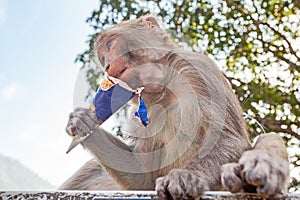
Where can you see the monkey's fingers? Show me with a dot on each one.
(79, 129)
(180, 184)
(75, 142)
(87, 115)
(267, 172)
(230, 177)
(160, 188)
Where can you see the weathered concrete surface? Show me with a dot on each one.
(98, 195)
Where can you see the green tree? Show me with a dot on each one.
(256, 44)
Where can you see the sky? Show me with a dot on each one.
(39, 41)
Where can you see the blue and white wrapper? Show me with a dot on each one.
(113, 94)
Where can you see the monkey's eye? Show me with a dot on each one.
(102, 61)
(108, 44)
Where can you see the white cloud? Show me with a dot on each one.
(11, 91)
(2, 11)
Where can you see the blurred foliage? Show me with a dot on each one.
(255, 43)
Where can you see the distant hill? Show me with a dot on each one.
(15, 176)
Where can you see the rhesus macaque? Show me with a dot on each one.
(196, 139)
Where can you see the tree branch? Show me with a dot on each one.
(292, 51)
(289, 62)
(259, 22)
(276, 126)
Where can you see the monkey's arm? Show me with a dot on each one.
(273, 144)
(113, 154)
(118, 160)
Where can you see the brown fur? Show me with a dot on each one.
(196, 121)
(90, 176)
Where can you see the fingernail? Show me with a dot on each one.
(229, 184)
(265, 188)
(259, 177)
(73, 129)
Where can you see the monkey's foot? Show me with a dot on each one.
(180, 184)
(259, 171)
(230, 177)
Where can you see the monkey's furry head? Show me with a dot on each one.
(145, 38)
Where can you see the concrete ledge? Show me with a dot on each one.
(99, 195)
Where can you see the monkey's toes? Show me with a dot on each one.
(268, 173)
(180, 184)
(230, 177)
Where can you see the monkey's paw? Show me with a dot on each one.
(230, 177)
(180, 184)
(82, 122)
(265, 173)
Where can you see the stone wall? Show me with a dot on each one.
(101, 195)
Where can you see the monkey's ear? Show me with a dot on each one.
(150, 21)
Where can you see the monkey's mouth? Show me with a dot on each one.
(122, 71)
(111, 71)
(126, 75)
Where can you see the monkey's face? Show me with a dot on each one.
(113, 57)
(119, 62)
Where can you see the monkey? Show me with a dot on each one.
(197, 138)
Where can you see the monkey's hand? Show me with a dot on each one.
(265, 173)
(180, 184)
(82, 122)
